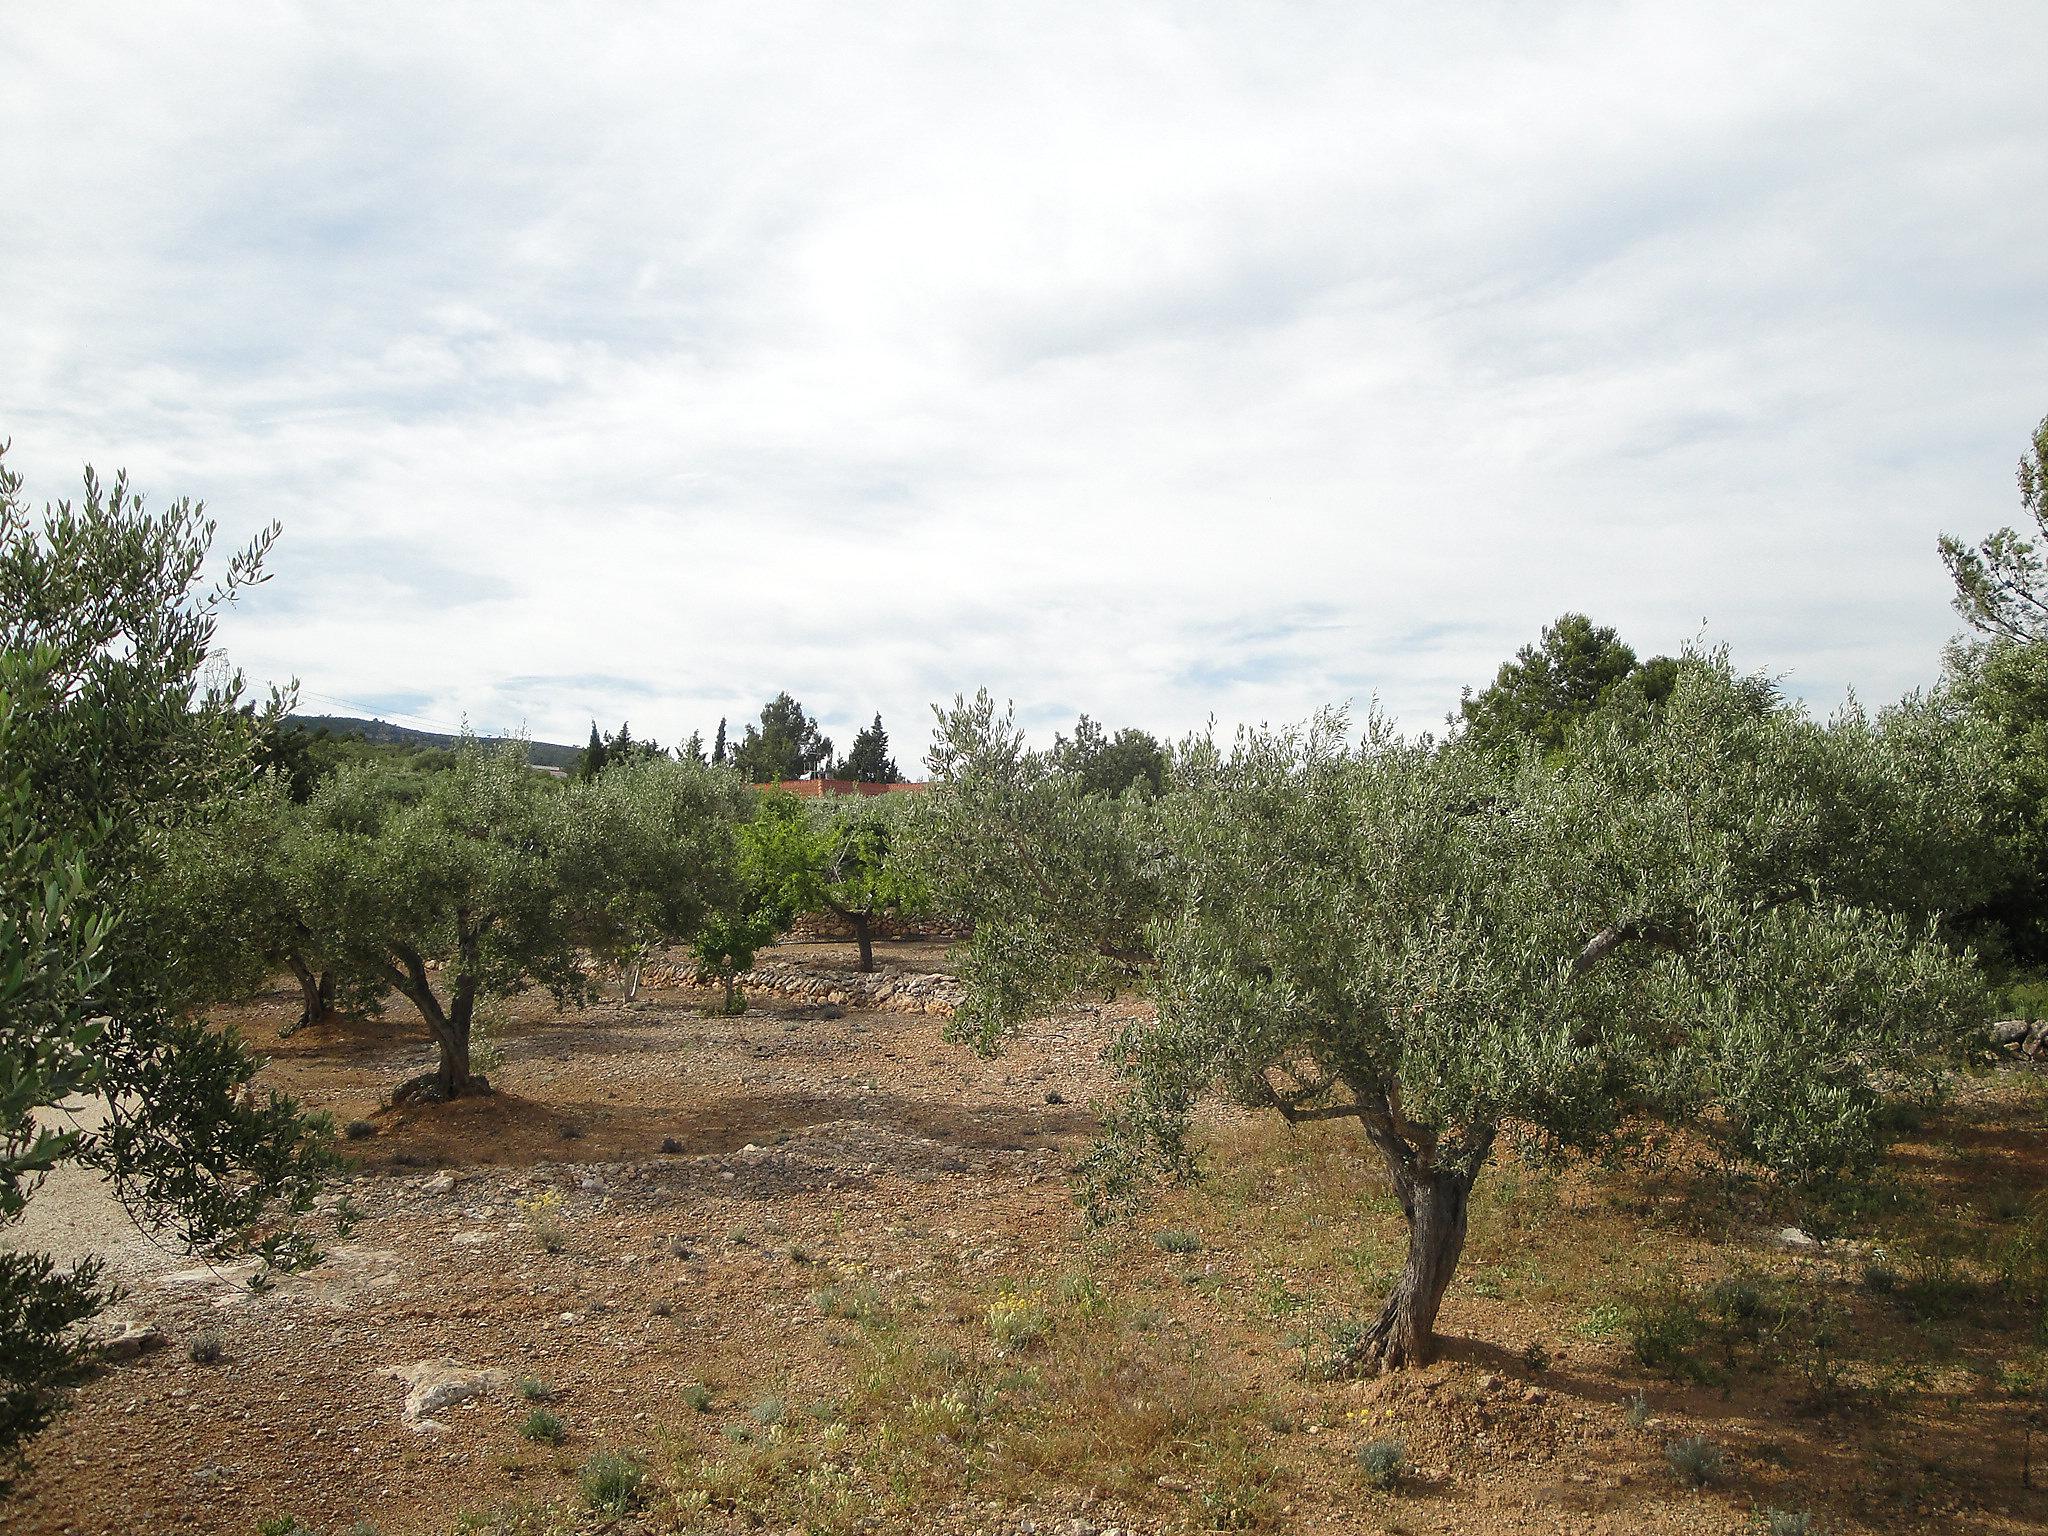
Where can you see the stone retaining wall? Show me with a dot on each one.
(888, 991)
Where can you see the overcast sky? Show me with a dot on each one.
(637, 361)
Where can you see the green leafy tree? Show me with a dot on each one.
(856, 866)
(774, 854)
(2002, 583)
(693, 749)
(1548, 688)
(1444, 946)
(403, 875)
(718, 752)
(1109, 765)
(786, 744)
(869, 761)
(108, 742)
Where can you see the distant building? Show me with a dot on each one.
(818, 789)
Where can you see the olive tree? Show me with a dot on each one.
(231, 905)
(649, 850)
(1443, 946)
(447, 887)
(108, 743)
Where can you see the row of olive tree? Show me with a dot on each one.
(487, 879)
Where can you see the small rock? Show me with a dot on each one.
(439, 1184)
(433, 1385)
(131, 1339)
(1797, 1239)
(1489, 1382)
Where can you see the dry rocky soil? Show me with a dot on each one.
(814, 1268)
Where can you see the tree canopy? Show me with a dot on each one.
(2002, 583)
(869, 762)
(1102, 764)
(1550, 686)
(784, 744)
(1443, 944)
(110, 742)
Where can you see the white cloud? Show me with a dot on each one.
(1155, 361)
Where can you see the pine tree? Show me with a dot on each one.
(594, 756)
(869, 761)
(693, 749)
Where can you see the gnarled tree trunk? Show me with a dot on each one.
(1436, 1202)
(317, 990)
(864, 935)
(450, 1027)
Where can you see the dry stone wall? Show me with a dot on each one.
(887, 991)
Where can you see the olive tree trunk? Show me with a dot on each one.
(317, 990)
(450, 1028)
(1436, 1202)
(864, 936)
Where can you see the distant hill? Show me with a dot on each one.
(546, 754)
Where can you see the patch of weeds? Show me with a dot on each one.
(1603, 1322)
(1695, 1461)
(1178, 1241)
(359, 1130)
(611, 1482)
(854, 1303)
(1536, 1356)
(769, 1411)
(1327, 1351)
(1019, 1320)
(281, 1525)
(543, 1426)
(1079, 1293)
(1782, 1522)
(1280, 1303)
(1382, 1462)
(1242, 1492)
(697, 1396)
(1935, 1292)
(533, 1390)
(1879, 1278)
(206, 1348)
(1636, 1412)
(543, 1212)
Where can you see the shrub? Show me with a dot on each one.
(534, 1390)
(1382, 1462)
(1637, 1413)
(1178, 1242)
(698, 1396)
(542, 1425)
(611, 1482)
(1665, 1329)
(543, 1212)
(1782, 1522)
(359, 1130)
(1017, 1322)
(1695, 1461)
(206, 1348)
(770, 1410)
